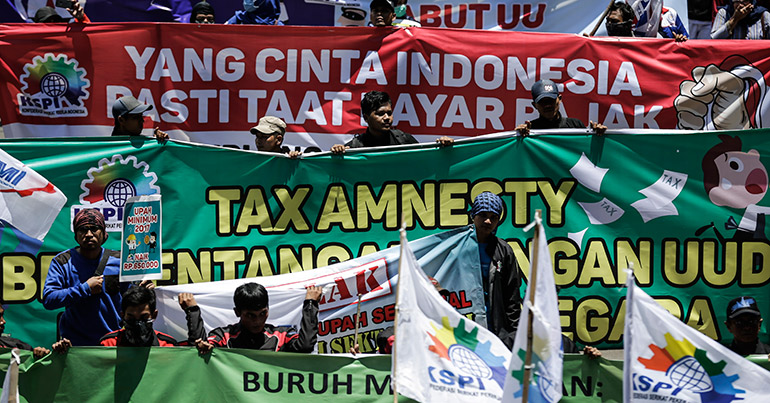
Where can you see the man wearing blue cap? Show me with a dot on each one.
(744, 322)
(500, 272)
(546, 100)
(129, 118)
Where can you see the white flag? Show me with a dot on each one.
(647, 16)
(439, 355)
(28, 201)
(667, 360)
(11, 382)
(545, 381)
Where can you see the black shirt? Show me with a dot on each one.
(759, 348)
(558, 123)
(395, 137)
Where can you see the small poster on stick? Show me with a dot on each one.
(140, 252)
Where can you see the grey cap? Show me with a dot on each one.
(544, 89)
(269, 125)
(128, 105)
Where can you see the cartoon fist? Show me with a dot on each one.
(713, 86)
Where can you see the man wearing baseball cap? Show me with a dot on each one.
(381, 13)
(269, 133)
(84, 281)
(744, 322)
(500, 272)
(129, 118)
(546, 99)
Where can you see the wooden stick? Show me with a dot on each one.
(604, 14)
(532, 287)
(358, 312)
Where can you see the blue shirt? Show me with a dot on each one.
(86, 317)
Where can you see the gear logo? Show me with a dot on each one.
(470, 357)
(111, 183)
(689, 368)
(53, 86)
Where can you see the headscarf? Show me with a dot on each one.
(88, 217)
(750, 19)
(487, 202)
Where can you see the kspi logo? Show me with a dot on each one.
(54, 87)
(111, 183)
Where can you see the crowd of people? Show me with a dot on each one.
(708, 19)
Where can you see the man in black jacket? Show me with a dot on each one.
(499, 270)
(546, 99)
(377, 110)
(744, 322)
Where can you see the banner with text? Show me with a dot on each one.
(689, 211)
(205, 85)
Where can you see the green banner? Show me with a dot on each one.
(608, 201)
(96, 374)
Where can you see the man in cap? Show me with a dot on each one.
(84, 281)
(269, 133)
(744, 321)
(129, 118)
(546, 100)
(202, 13)
(381, 13)
(500, 272)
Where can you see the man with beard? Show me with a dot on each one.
(84, 281)
(546, 100)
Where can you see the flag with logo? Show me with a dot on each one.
(440, 355)
(28, 201)
(667, 360)
(647, 16)
(547, 359)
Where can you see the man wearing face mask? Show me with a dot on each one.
(402, 19)
(620, 20)
(257, 12)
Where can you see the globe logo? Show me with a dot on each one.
(687, 373)
(469, 362)
(54, 85)
(118, 191)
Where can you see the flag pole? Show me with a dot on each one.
(604, 14)
(402, 240)
(532, 288)
(358, 315)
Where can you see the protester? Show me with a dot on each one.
(381, 13)
(401, 18)
(202, 13)
(6, 341)
(129, 118)
(49, 15)
(500, 273)
(257, 12)
(252, 307)
(84, 281)
(620, 20)
(744, 322)
(546, 100)
(741, 19)
(268, 136)
(699, 18)
(377, 110)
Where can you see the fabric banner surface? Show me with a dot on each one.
(176, 374)
(666, 360)
(207, 86)
(546, 345)
(450, 257)
(642, 198)
(438, 354)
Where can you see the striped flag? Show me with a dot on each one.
(28, 201)
(647, 16)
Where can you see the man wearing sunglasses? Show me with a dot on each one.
(744, 321)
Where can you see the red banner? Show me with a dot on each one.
(212, 83)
